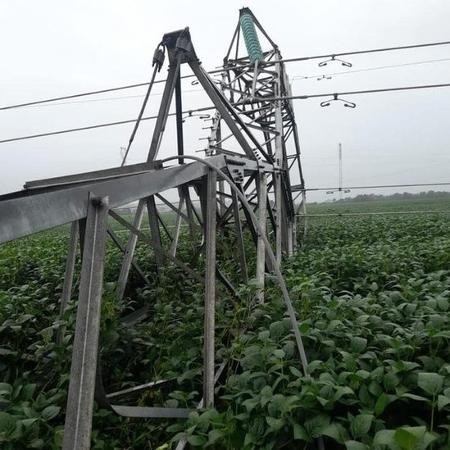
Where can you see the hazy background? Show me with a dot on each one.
(53, 48)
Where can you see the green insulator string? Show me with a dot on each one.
(251, 38)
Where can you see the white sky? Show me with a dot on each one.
(58, 47)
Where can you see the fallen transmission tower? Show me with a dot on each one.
(248, 162)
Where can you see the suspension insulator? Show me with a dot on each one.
(251, 37)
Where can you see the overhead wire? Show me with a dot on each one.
(367, 69)
(373, 50)
(220, 70)
(122, 97)
(380, 186)
(209, 108)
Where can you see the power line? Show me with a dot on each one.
(208, 108)
(377, 213)
(360, 52)
(220, 70)
(92, 127)
(380, 186)
(367, 91)
(368, 69)
(107, 99)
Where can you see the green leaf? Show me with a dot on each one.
(443, 401)
(335, 431)
(300, 433)
(275, 424)
(361, 424)
(317, 425)
(414, 397)
(278, 353)
(214, 436)
(358, 344)
(341, 391)
(50, 412)
(430, 382)
(295, 371)
(36, 443)
(7, 423)
(385, 437)
(382, 401)
(28, 391)
(390, 381)
(354, 445)
(411, 438)
(196, 441)
(5, 389)
(266, 395)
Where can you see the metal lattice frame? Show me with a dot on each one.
(256, 167)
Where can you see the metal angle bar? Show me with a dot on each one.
(121, 247)
(68, 275)
(131, 319)
(89, 177)
(129, 252)
(174, 73)
(164, 227)
(80, 402)
(70, 266)
(239, 237)
(182, 443)
(155, 233)
(179, 117)
(210, 287)
(173, 247)
(261, 249)
(226, 282)
(27, 215)
(191, 210)
(141, 112)
(177, 210)
(220, 103)
(151, 412)
(141, 387)
(145, 238)
(235, 35)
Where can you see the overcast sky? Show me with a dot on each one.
(53, 48)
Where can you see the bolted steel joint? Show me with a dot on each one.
(97, 201)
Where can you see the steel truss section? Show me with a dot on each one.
(252, 174)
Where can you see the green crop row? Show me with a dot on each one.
(372, 298)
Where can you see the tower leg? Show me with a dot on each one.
(80, 401)
(210, 288)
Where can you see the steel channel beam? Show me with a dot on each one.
(89, 177)
(80, 402)
(31, 214)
